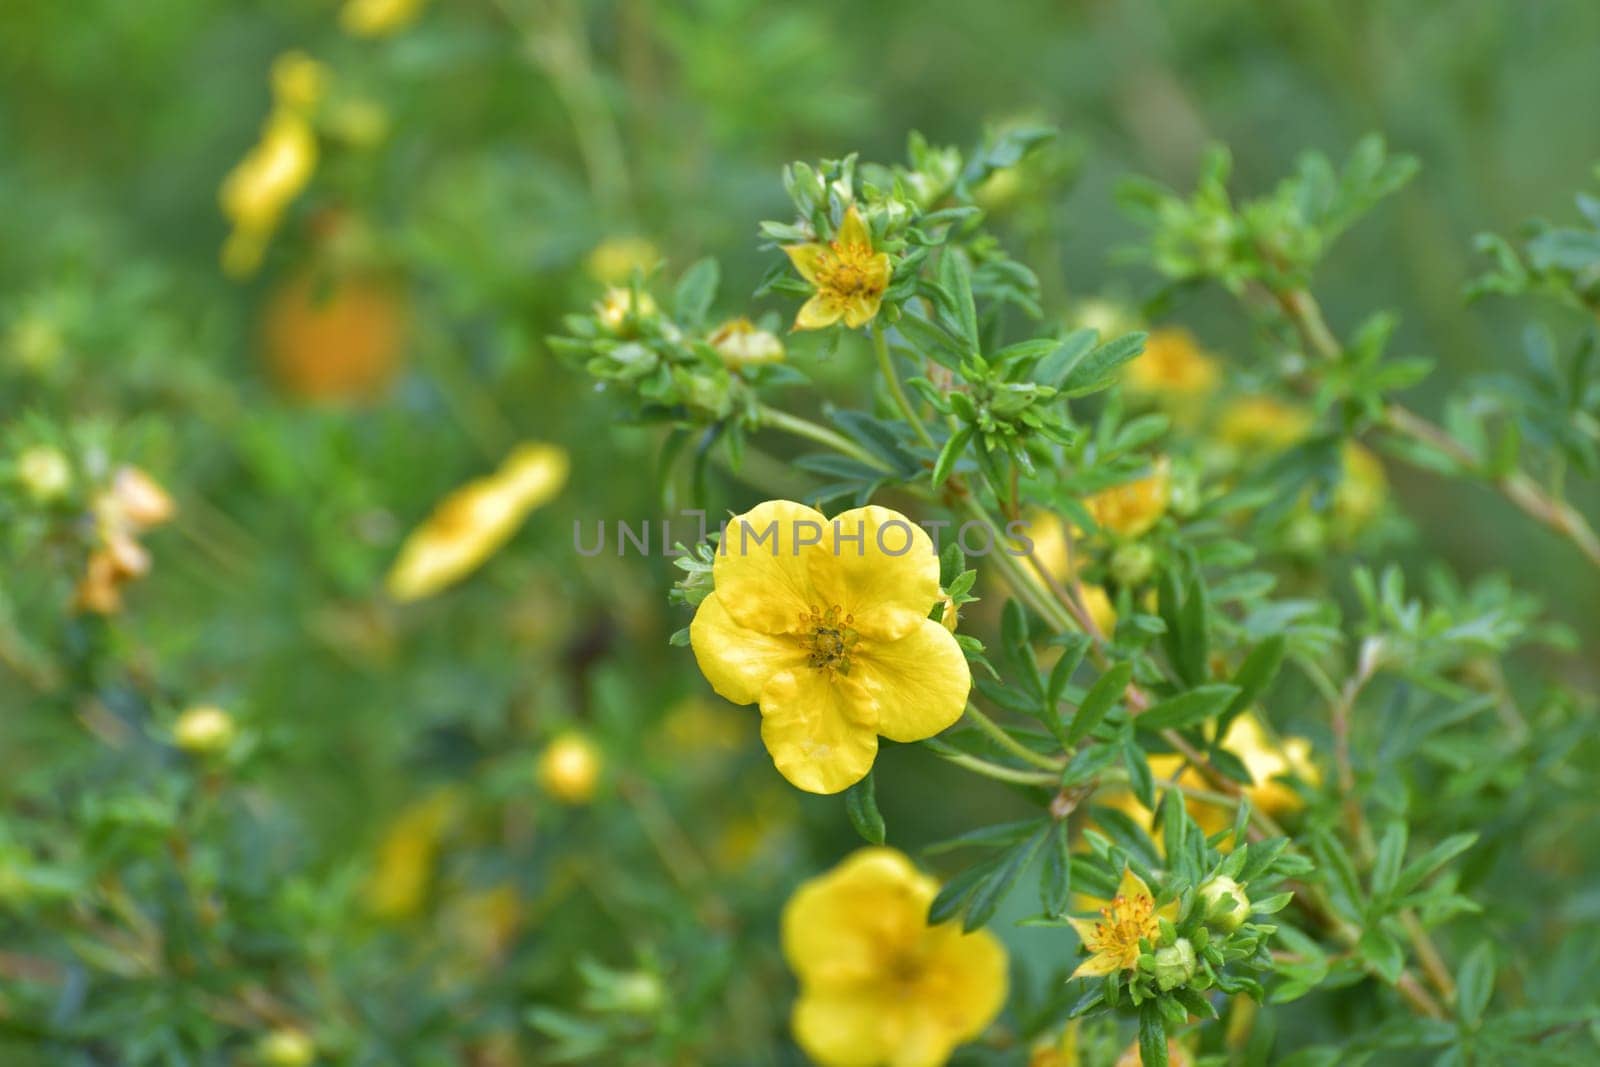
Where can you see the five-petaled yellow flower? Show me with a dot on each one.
(878, 985)
(1112, 940)
(1132, 508)
(472, 523)
(849, 276)
(825, 625)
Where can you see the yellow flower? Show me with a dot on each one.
(741, 344)
(136, 500)
(1362, 487)
(826, 626)
(878, 985)
(203, 730)
(1098, 604)
(406, 856)
(616, 259)
(1133, 507)
(257, 192)
(1262, 422)
(472, 523)
(298, 81)
(1112, 940)
(849, 276)
(379, 18)
(569, 768)
(286, 1046)
(1172, 366)
(1177, 1055)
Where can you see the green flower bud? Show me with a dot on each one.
(1174, 964)
(1224, 904)
(1132, 564)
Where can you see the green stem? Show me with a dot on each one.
(880, 345)
(781, 420)
(994, 770)
(1010, 744)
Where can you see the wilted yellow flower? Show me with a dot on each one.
(617, 309)
(878, 985)
(1112, 940)
(258, 191)
(203, 730)
(826, 626)
(379, 18)
(850, 278)
(1133, 507)
(298, 81)
(1171, 367)
(472, 523)
(616, 259)
(741, 343)
(136, 500)
(1262, 422)
(569, 768)
(404, 864)
(44, 472)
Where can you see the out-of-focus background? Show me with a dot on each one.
(390, 849)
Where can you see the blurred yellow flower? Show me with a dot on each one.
(472, 523)
(1177, 1055)
(379, 18)
(1172, 367)
(339, 339)
(569, 768)
(1061, 1051)
(1363, 487)
(878, 985)
(1098, 604)
(203, 730)
(44, 472)
(1132, 508)
(741, 343)
(1112, 941)
(403, 867)
(136, 500)
(286, 1046)
(298, 81)
(826, 626)
(258, 191)
(132, 503)
(1262, 422)
(850, 278)
(616, 259)
(484, 922)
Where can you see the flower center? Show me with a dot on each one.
(1123, 922)
(846, 273)
(829, 638)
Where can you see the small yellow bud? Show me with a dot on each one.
(44, 472)
(569, 769)
(741, 344)
(286, 1047)
(203, 730)
(1226, 906)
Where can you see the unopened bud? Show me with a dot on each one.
(203, 730)
(44, 472)
(1225, 905)
(1174, 964)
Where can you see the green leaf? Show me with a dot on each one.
(861, 804)
(1052, 368)
(990, 890)
(930, 339)
(1475, 984)
(1055, 880)
(1076, 645)
(1187, 709)
(1391, 854)
(1152, 1035)
(696, 290)
(951, 454)
(1382, 953)
(1257, 671)
(1098, 369)
(957, 282)
(1099, 700)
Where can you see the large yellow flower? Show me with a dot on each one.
(825, 625)
(1112, 940)
(849, 276)
(878, 985)
(472, 523)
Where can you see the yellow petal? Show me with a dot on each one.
(1085, 929)
(735, 659)
(841, 927)
(467, 528)
(846, 1027)
(853, 229)
(1101, 963)
(534, 473)
(880, 567)
(762, 572)
(969, 976)
(1132, 885)
(820, 311)
(818, 727)
(860, 310)
(808, 259)
(918, 682)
